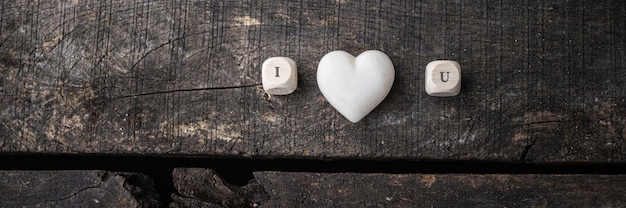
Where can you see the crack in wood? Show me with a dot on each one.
(539, 123)
(187, 90)
(152, 50)
(70, 195)
(525, 151)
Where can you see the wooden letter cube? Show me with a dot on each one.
(443, 78)
(279, 76)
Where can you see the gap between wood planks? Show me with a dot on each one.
(238, 171)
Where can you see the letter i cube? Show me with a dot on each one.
(279, 76)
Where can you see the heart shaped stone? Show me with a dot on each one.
(355, 86)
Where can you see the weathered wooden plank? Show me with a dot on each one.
(81, 188)
(447, 190)
(203, 187)
(543, 81)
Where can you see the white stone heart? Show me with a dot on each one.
(355, 86)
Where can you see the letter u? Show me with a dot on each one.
(447, 76)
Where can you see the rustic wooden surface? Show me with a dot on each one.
(454, 190)
(543, 81)
(80, 188)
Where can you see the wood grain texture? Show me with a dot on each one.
(543, 81)
(448, 190)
